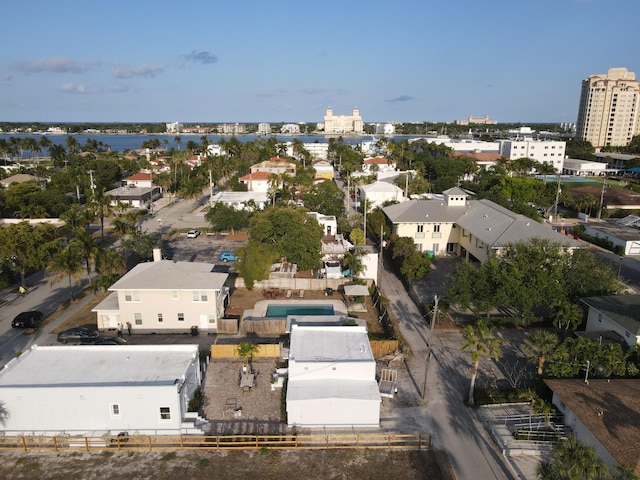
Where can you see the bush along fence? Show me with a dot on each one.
(383, 313)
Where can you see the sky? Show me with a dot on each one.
(287, 61)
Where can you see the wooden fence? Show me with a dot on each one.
(386, 441)
(231, 351)
(378, 347)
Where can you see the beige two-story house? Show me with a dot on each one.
(473, 229)
(164, 296)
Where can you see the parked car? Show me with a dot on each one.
(78, 335)
(27, 320)
(193, 233)
(110, 341)
(228, 256)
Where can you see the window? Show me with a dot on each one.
(436, 228)
(420, 228)
(211, 319)
(200, 296)
(131, 296)
(115, 410)
(181, 317)
(165, 413)
(160, 318)
(599, 317)
(137, 318)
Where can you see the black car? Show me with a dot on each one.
(78, 335)
(27, 320)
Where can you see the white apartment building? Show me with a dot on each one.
(290, 129)
(385, 129)
(551, 151)
(264, 129)
(608, 112)
(343, 123)
(174, 127)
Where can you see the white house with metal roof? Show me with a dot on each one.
(332, 377)
(469, 228)
(378, 193)
(615, 313)
(166, 296)
(96, 390)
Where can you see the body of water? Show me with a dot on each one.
(120, 143)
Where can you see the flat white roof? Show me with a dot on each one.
(95, 365)
(299, 390)
(329, 344)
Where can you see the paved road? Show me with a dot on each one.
(456, 428)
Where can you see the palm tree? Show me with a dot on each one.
(246, 350)
(353, 261)
(100, 205)
(178, 141)
(540, 346)
(87, 247)
(66, 263)
(573, 460)
(479, 341)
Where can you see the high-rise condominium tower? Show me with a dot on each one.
(608, 113)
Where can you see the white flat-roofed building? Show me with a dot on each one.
(264, 128)
(385, 129)
(96, 390)
(583, 168)
(332, 378)
(551, 151)
(317, 150)
(241, 200)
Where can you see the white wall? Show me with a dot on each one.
(597, 322)
(86, 409)
(333, 412)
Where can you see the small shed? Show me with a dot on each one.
(355, 297)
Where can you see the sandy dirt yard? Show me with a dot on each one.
(263, 465)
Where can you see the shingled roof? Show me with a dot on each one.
(622, 309)
(610, 410)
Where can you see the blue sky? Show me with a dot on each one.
(287, 61)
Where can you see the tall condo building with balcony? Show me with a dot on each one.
(608, 112)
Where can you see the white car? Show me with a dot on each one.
(193, 233)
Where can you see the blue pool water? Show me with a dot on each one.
(284, 310)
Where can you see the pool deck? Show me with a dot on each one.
(260, 308)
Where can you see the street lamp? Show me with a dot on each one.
(620, 268)
(586, 371)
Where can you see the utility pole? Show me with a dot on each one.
(210, 187)
(93, 185)
(555, 213)
(435, 311)
(604, 182)
(365, 220)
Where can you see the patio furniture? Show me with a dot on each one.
(301, 293)
(288, 295)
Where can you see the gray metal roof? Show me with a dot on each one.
(622, 309)
(494, 225)
(170, 275)
(423, 211)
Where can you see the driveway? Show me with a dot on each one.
(455, 427)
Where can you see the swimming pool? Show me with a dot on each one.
(284, 310)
